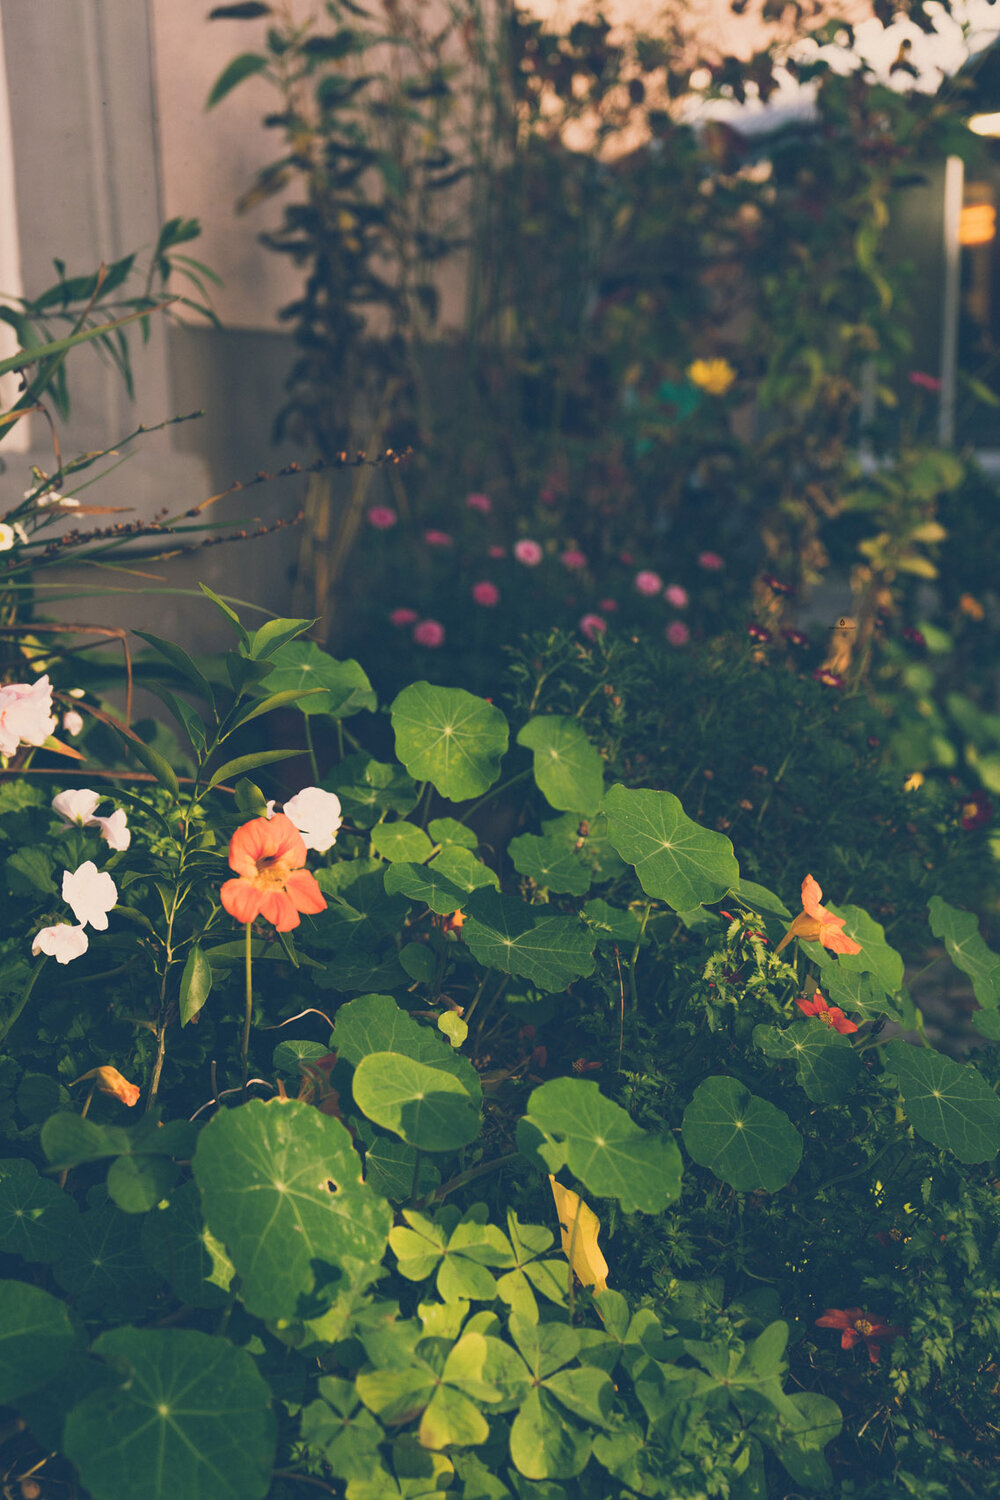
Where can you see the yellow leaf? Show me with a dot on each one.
(580, 1226)
(929, 531)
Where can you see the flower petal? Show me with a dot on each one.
(241, 900)
(277, 907)
(305, 892)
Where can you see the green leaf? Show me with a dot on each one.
(103, 1267)
(967, 950)
(375, 1023)
(950, 1104)
(138, 1183)
(876, 957)
(543, 1444)
(450, 738)
(281, 1188)
(368, 789)
(419, 962)
(862, 994)
(36, 1337)
(612, 924)
(463, 869)
(549, 949)
(342, 1431)
(196, 984)
(451, 831)
(568, 771)
(289, 1054)
(181, 662)
(550, 864)
(29, 872)
(243, 66)
(428, 1108)
(226, 609)
(759, 898)
(177, 1244)
(191, 1417)
(402, 841)
(68, 1140)
(424, 883)
(244, 763)
(799, 1445)
(827, 1065)
(255, 709)
(453, 1027)
(304, 666)
(389, 1170)
(744, 1140)
(250, 800)
(602, 1146)
(273, 634)
(36, 1217)
(151, 759)
(676, 859)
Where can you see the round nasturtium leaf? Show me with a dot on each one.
(877, 957)
(36, 1217)
(176, 1243)
(603, 1146)
(191, 1418)
(103, 1266)
(402, 841)
(550, 863)
(281, 1188)
(744, 1140)
(568, 771)
(450, 738)
(427, 1107)
(35, 1338)
(303, 666)
(827, 1065)
(966, 949)
(949, 1103)
(137, 1183)
(549, 948)
(676, 859)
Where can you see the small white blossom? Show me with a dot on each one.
(26, 716)
(115, 829)
(77, 805)
(317, 816)
(53, 498)
(91, 893)
(8, 537)
(61, 942)
(72, 722)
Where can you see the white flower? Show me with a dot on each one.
(8, 537)
(53, 498)
(72, 722)
(91, 893)
(77, 805)
(115, 829)
(316, 814)
(26, 716)
(61, 942)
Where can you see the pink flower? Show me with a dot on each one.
(924, 381)
(437, 538)
(648, 583)
(592, 626)
(402, 616)
(482, 503)
(382, 517)
(487, 594)
(676, 596)
(677, 633)
(496, 552)
(528, 552)
(61, 942)
(608, 605)
(710, 561)
(26, 716)
(573, 559)
(428, 633)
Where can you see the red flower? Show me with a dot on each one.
(268, 856)
(830, 1015)
(977, 811)
(828, 678)
(758, 632)
(855, 1324)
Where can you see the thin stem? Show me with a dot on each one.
(311, 748)
(161, 1049)
(248, 1014)
(495, 791)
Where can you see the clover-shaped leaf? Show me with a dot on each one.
(967, 950)
(450, 738)
(281, 1188)
(302, 666)
(191, 1417)
(546, 947)
(568, 771)
(676, 859)
(745, 1141)
(950, 1104)
(569, 1121)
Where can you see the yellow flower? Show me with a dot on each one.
(970, 605)
(712, 375)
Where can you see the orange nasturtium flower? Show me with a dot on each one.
(817, 925)
(108, 1080)
(830, 1015)
(268, 856)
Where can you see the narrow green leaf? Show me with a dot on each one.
(196, 984)
(244, 763)
(181, 662)
(243, 66)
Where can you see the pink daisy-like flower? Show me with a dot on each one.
(648, 583)
(482, 503)
(428, 633)
(496, 552)
(677, 633)
(401, 617)
(527, 552)
(573, 559)
(437, 538)
(592, 626)
(711, 562)
(608, 605)
(487, 594)
(675, 595)
(382, 517)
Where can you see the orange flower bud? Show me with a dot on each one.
(109, 1081)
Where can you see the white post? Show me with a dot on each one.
(18, 438)
(954, 182)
